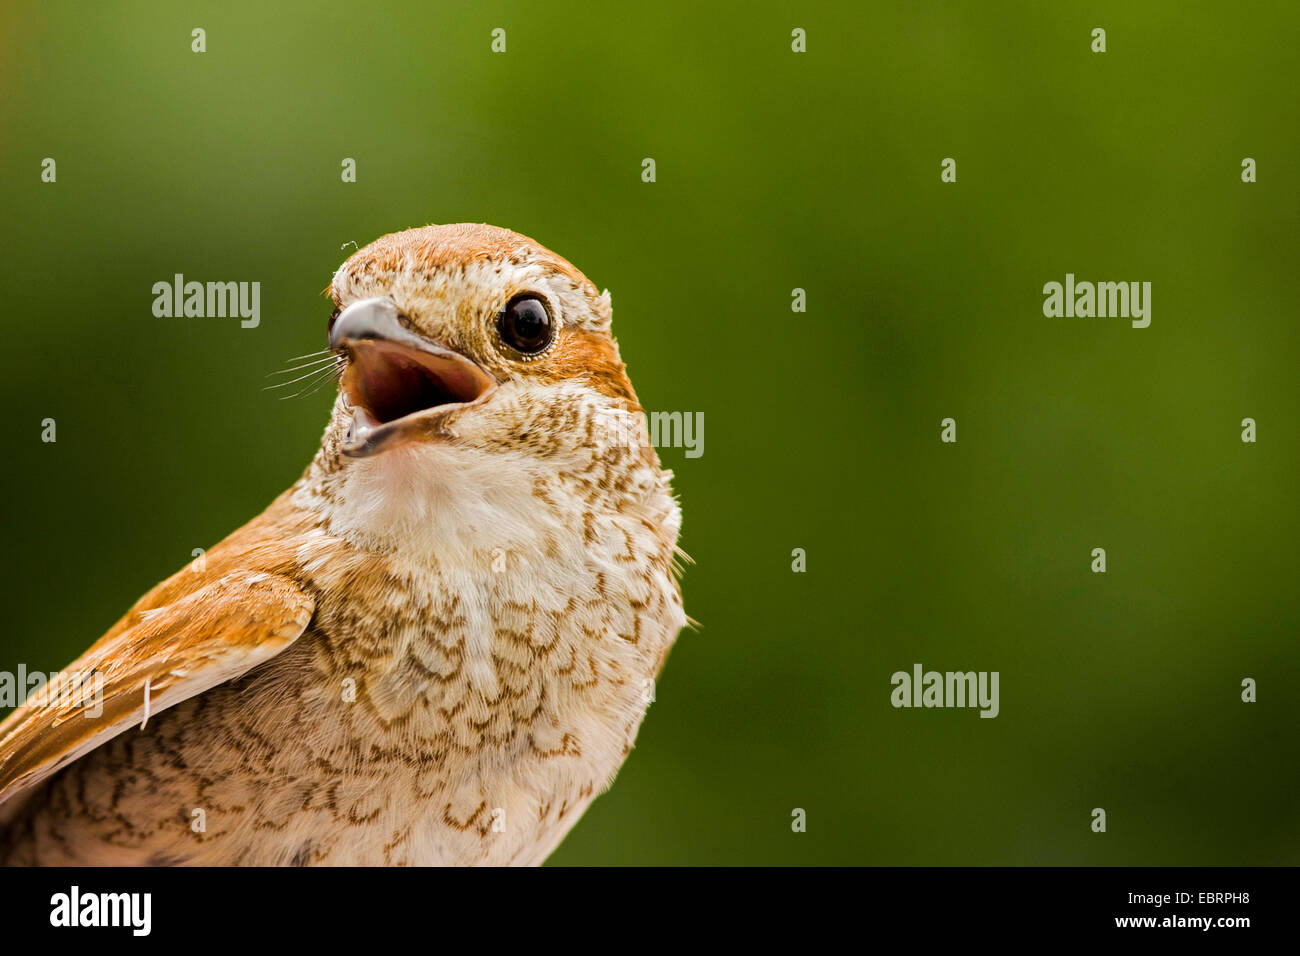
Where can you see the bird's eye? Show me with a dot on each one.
(525, 325)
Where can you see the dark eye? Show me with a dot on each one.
(525, 325)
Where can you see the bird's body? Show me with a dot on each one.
(435, 648)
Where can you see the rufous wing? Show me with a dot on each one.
(177, 650)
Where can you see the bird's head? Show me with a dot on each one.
(481, 393)
(483, 408)
(472, 336)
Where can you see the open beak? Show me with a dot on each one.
(399, 385)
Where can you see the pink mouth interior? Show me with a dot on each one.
(392, 381)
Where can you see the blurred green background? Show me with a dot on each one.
(776, 170)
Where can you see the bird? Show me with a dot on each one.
(435, 648)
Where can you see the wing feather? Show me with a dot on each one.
(177, 650)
